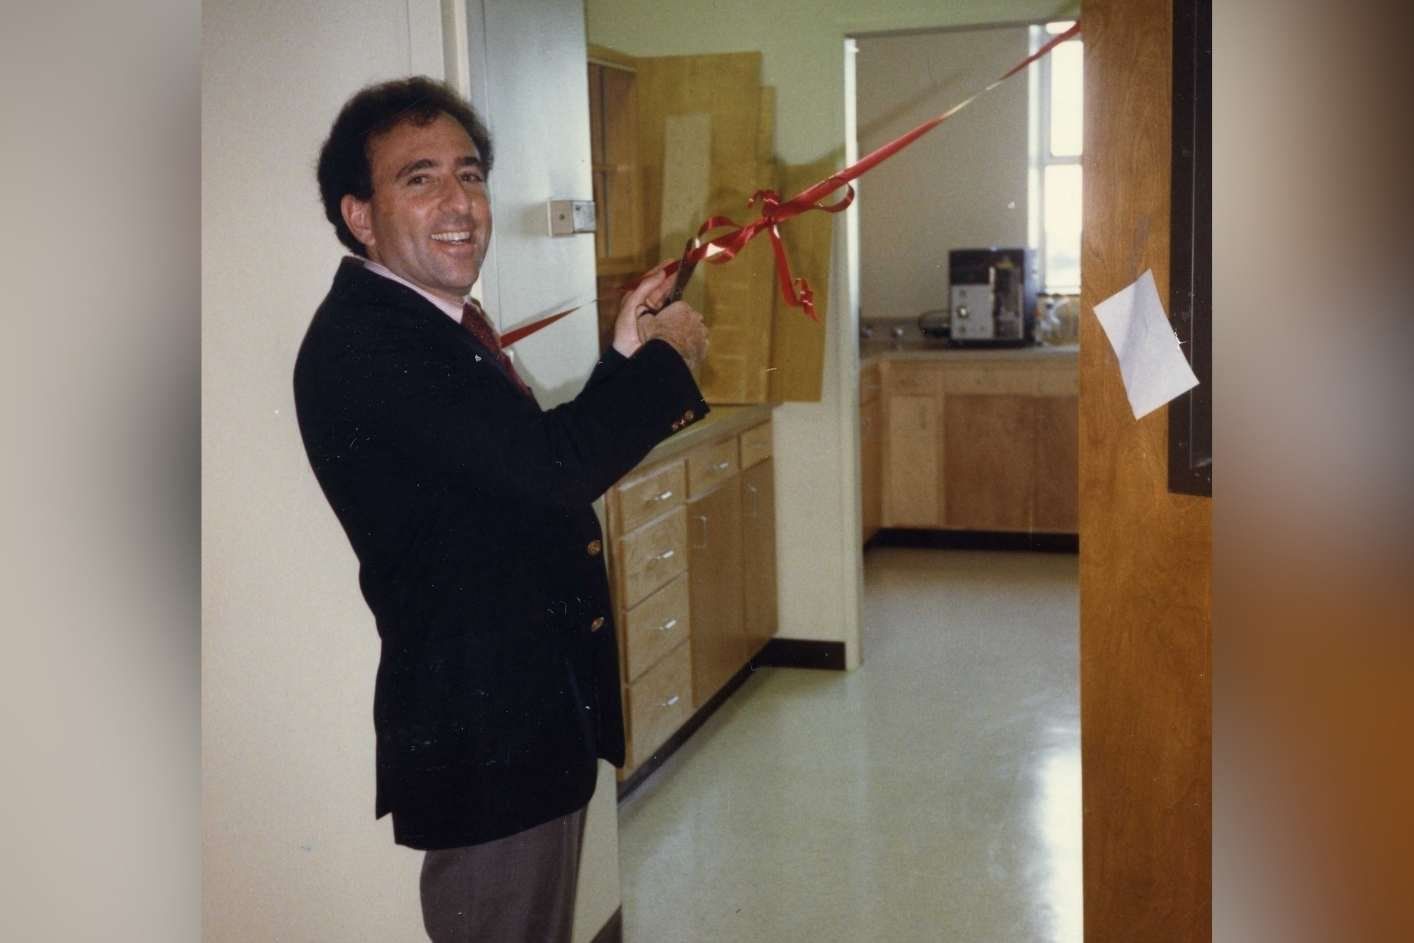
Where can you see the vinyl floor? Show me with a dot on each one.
(933, 794)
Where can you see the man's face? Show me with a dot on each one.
(429, 220)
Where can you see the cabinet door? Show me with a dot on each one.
(715, 588)
(758, 557)
(911, 492)
(1057, 502)
(871, 418)
(990, 461)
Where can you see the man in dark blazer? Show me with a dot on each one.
(469, 509)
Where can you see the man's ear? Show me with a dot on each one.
(358, 216)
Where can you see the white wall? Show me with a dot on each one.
(963, 185)
(817, 444)
(291, 849)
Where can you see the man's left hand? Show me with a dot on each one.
(647, 296)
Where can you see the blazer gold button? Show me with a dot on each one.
(594, 548)
(688, 416)
(597, 624)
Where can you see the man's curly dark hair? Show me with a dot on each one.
(344, 165)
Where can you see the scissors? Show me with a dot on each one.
(684, 274)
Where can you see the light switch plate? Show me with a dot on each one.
(571, 216)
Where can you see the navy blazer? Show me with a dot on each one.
(470, 511)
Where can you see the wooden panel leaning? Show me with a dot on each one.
(645, 495)
(650, 556)
(655, 627)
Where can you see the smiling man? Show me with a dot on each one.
(469, 509)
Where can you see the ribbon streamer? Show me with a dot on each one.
(795, 290)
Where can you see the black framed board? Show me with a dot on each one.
(1191, 262)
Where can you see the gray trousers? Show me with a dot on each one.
(517, 889)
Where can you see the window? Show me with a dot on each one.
(1057, 123)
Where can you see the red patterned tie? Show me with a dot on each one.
(479, 326)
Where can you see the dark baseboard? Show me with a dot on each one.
(975, 540)
(800, 653)
(613, 929)
(671, 745)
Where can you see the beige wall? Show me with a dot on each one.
(961, 186)
(817, 460)
(291, 850)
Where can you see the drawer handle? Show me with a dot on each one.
(755, 501)
(660, 497)
(703, 545)
(665, 555)
(722, 465)
(668, 626)
(671, 701)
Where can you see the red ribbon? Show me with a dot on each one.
(796, 290)
(525, 330)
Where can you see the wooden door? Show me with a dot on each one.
(990, 461)
(715, 587)
(1145, 553)
(913, 439)
(1056, 501)
(758, 557)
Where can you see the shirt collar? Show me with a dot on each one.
(452, 311)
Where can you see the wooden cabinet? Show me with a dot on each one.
(871, 452)
(1057, 492)
(648, 557)
(912, 446)
(977, 445)
(716, 589)
(758, 554)
(657, 704)
(990, 449)
(655, 627)
(693, 561)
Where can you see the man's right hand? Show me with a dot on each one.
(681, 326)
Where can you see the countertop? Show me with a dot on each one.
(720, 421)
(871, 351)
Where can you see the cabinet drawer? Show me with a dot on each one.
(650, 556)
(710, 465)
(915, 379)
(756, 445)
(655, 627)
(869, 383)
(1020, 381)
(1052, 382)
(659, 703)
(644, 496)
